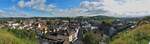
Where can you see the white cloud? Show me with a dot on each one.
(128, 7)
(21, 4)
(1, 10)
(119, 8)
(67, 12)
(87, 8)
(37, 5)
(92, 8)
(91, 5)
(12, 12)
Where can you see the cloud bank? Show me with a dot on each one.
(36, 5)
(128, 7)
(117, 8)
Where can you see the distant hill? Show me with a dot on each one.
(99, 17)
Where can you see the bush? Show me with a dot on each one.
(90, 38)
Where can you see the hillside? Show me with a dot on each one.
(139, 35)
(7, 37)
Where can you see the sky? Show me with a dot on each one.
(72, 8)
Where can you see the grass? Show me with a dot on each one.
(139, 35)
(10, 38)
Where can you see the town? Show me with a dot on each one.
(74, 22)
(69, 31)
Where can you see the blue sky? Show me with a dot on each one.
(56, 8)
(65, 3)
(60, 4)
(6, 3)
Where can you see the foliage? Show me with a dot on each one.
(90, 38)
(146, 18)
(27, 34)
(139, 35)
(8, 37)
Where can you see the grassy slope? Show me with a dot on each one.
(140, 35)
(9, 38)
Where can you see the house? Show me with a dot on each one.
(62, 33)
(62, 37)
(41, 27)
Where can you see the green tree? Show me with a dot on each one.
(90, 38)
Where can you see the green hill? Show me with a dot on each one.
(139, 35)
(7, 37)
